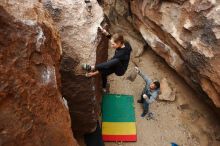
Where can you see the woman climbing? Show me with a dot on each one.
(118, 64)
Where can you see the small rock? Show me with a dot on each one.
(132, 76)
(167, 92)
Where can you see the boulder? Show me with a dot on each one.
(186, 36)
(167, 93)
(132, 75)
(80, 42)
(184, 33)
(32, 111)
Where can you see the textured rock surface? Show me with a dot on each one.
(167, 92)
(32, 111)
(78, 29)
(184, 33)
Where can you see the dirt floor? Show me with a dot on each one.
(187, 121)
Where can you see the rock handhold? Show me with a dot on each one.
(167, 93)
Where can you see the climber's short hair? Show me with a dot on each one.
(157, 84)
(118, 38)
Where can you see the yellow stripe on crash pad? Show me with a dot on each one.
(118, 128)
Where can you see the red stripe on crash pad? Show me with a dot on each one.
(119, 137)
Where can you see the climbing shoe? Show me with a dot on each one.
(143, 114)
(139, 101)
(86, 67)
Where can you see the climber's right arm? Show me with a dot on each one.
(145, 77)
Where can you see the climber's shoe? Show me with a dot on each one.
(86, 67)
(140, 101)
(143, 114)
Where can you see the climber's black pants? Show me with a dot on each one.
(94, 138)
(109, 67)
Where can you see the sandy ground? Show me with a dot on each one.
(188, 121)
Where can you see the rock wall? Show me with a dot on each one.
(185, 33)
(32, 111)
(80, 38)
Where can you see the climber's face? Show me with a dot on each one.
(115, 45)
(152, 86)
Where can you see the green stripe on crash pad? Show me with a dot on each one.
(118, 108)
